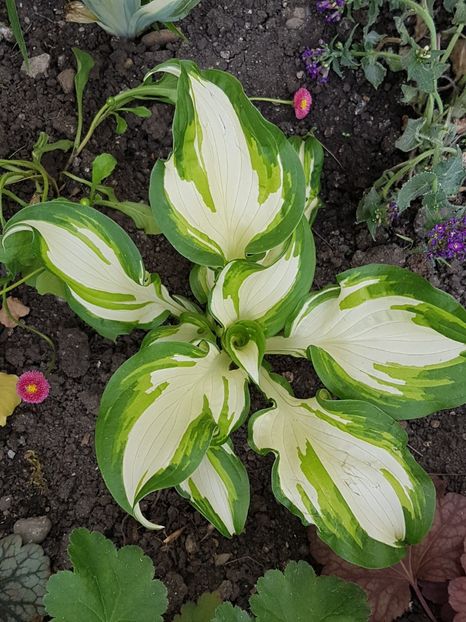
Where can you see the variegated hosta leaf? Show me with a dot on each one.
(219, 489)
(344, 466)
(159, 414)
(106, 283)
(245, 343)
(266, 294)
(385, 335)
(192, 328)
(202, 280)
(311, 154)
(129, 18)
(234, 185)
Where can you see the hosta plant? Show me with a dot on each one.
(128, 18)
(232, 198)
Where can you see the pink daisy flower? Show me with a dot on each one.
(302, 102)
(32, 387)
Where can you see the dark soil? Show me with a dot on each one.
(357, 124)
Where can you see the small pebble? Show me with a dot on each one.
(11, 454)
(38, 65)
(221, 558)
(159, 37)
(435, 423)
(66, 80)
(34, 529)
(190, 545)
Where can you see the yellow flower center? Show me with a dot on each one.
(31, 388)
(303, 104)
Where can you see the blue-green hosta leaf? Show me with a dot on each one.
(234, 185)
(106, 283)
(129, 18)
(219, 489)
(298, 595)
(343, 466)
(192, 328)
(159, 414)
(106, 585)
(245, 290)
(24, 570)
(311, 154)
(385, 335)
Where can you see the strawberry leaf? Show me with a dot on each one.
(106, 585)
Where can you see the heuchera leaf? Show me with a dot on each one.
(106, 585)
(298, 595)
(435, 559)
(457, 593)
(201, 611)
(24, 571)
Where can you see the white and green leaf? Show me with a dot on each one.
(343, 466)
(160, 413)
(249, 291)
(311, 155)
(192, 328)
(219, 489)
(385, 335)
(234, 186)
(106, 282)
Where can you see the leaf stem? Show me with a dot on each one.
(272, 100)
(427, 19)
(453, 42)
(377, 54)
(31, 329)
(5, 290)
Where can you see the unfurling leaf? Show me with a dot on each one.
(297, 594)
(106, 584)
(436, 559)
(201, 611)
(9, 397)
(16, 310)
(24, 570)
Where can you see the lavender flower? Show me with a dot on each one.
(447, 240)
(392, 212)
(315, 61)
(331, 9)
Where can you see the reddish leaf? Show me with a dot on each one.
(436, 559)
(16, 310)
(457, 593)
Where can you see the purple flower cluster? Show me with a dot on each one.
(316, 67)
(447, 240)
(392, 212)
(332, 10)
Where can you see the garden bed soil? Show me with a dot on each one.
(47, 459)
